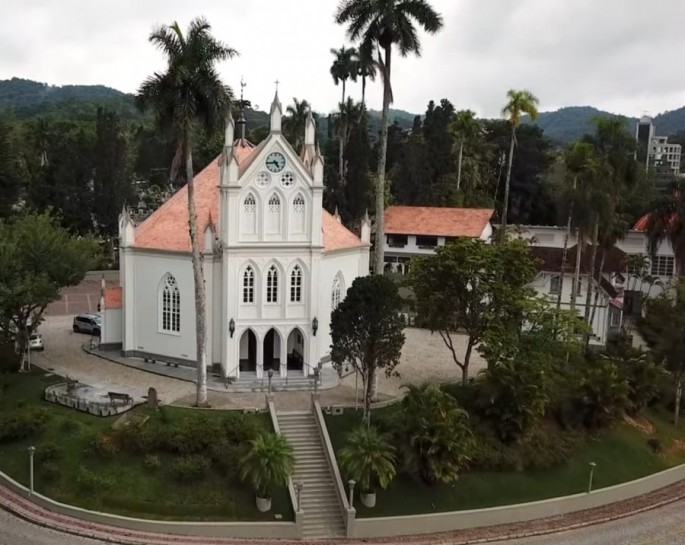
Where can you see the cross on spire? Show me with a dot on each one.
(242, 87)
(276, 82)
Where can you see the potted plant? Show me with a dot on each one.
(368, 458)
(268, 463)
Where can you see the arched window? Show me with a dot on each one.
(249, 204)
(272, 285)
(171, 305)
(274, 204)
(298, 205)
(248, 285)
(296, 285)
(336, 292)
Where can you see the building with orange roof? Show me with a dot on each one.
(275, 263)
(419, 230)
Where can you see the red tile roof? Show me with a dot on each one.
(436, 221)
(167, 227)
(641, 224)
(113, 297)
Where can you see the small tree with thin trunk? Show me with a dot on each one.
(464, 127)
(188, 96)
(366, 331)
(469, 287)
(663, 327)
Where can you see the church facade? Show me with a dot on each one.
(275, 263)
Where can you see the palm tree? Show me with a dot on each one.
(268, 463)
(368, 458)
(189, 95)
(347, 117)
(386, 23)
(667, 222)
(344, 66)
(464, 127)
(366, 67)
(296, 121)
(519, 103)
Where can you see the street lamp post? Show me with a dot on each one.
(351, 484)
(299, 486)
(592, 472)
(316, 379)
(31, 450)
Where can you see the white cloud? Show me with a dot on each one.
(619, 55)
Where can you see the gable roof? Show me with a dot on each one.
(550, 258)
(112, 297)
(437, 221)
(167, 227)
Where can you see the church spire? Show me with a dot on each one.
(276, 113)
(241, 117)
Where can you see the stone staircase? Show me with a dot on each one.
(320, 502)
(248, 381)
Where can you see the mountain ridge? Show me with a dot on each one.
(24, 99)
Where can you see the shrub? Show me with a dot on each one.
(433, 434)
(23, 423)
(226, 458)
(152, 462)
(190, 468)
(137, 438)
(643, 375)
(101, 447)
(68, 425)
(654, 444)
(49, 471)
(191, 436)
(91, 482)
(47, 452)
(9, 359)
(603, 392)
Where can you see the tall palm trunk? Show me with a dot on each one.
(341, 153)
(599, 279)
(461, 154)
(564, 253)
(380, 178)
(678, 397)
(199, 281)
(505, 206)
(590, 283)
(576, 272)
(363, 92)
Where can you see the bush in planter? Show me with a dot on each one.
(368, 458)
(268, 463)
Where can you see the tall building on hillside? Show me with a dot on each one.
(655, 151)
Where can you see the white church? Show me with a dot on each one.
(275, 263)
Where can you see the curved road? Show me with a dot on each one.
(663, 526)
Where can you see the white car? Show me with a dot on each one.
(36, 342)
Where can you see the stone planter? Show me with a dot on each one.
(264, 504)
(368, 499)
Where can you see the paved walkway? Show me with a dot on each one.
(613, 534)
(424, 358)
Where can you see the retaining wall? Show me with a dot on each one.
(458, 520)
(268, 530)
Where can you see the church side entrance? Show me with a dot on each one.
(272, 351)
(248, 351)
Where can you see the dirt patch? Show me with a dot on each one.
(642, 424)
(676, 447)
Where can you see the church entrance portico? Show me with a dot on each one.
(248, 351)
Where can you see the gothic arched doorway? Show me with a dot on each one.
(248, 351)
(296, 350)
(272, 350)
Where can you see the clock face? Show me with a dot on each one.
(275, 162)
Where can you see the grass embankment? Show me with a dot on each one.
(621, 454)
(137, 484)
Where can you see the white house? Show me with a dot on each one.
(419, 230)
(275, 263)
(552, 281)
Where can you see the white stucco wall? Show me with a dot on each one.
(112, 326)
(149, 270)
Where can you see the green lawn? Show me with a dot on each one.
(123, 485)
(621, 455)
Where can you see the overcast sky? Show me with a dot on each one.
(623, 56)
